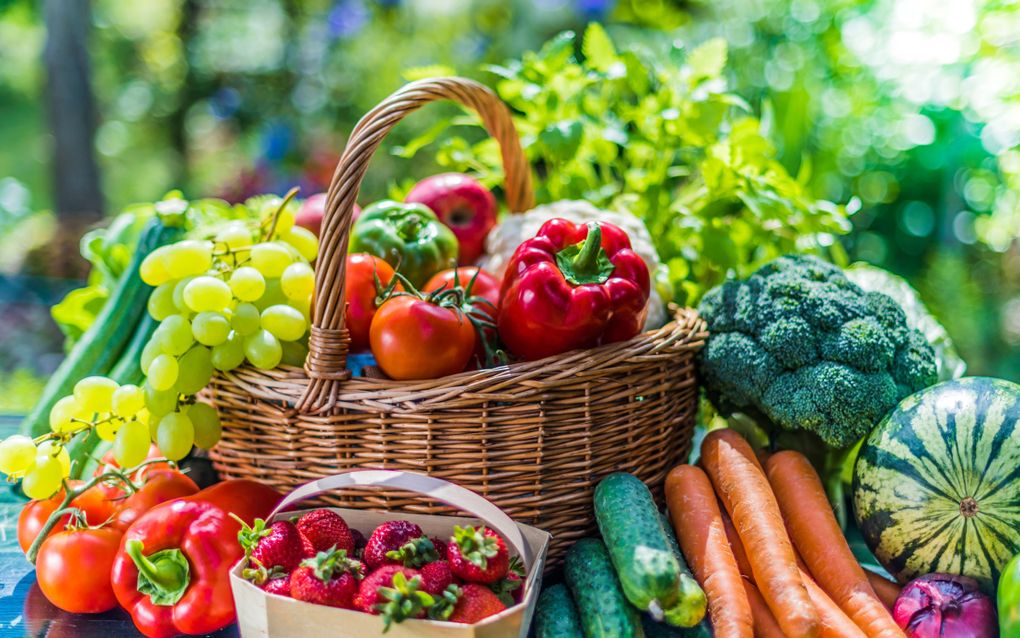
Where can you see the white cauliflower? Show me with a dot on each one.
(504, 239)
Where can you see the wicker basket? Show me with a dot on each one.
(532, 437)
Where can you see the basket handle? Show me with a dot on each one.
(328, 340)
(434, 488)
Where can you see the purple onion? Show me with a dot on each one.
(940, 605)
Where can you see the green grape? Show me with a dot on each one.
(294, 353)
(179, 294)
(95, 394)
(162, 374)
(107, 430)
(270, 258)
(154, 428)
(17, 455)
(284, 221)
(304, 306)
(263, 350)
(151, 350)
(229, 354)
(154, 268)
(52, 448)
(210, 328)
(132, 444)
(175, 435)
(273, 295)
(207, 293)
(128, 400)
(234, 236)
(44, 479)
(175, 335)
(286, 323)
(298, 281)
(303, 240)
(247, 284)
(207, 425)
(159, 402)
(189, 257)
(195, 370)
(161, 301)
(246, 320)
(66, 415)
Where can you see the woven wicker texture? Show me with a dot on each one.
(533, 437)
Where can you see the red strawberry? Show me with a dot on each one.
(359, 539)
(475, 603)
(395, 592)
(436, 577)
(325, 529)
(510, 590)
(279, 586)
(478, 555)
(328, 579)
(306, 547)
(278, 544)
(440, 545)
(388, 537)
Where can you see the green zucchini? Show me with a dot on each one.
(637, 543)
(102, 344)
(556, 616)
(604, 610)
(693, 602)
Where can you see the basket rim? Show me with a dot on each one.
(686, 332)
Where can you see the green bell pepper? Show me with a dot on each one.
(1009, 599)
(408, 237)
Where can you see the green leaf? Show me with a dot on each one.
(426, 137)
(708, 59)
(598, 49)
(78, 309)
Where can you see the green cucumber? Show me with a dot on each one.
(604, 610)
(641, 553)
(690, 612)
(86, 451)
(102, 344)
(556, 616)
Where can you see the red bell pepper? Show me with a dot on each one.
(572, 286)
(172, 571)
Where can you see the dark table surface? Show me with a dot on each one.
(24, 611)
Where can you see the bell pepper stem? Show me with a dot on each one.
(164, 575)
(586, 262)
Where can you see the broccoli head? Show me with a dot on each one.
(799, 345)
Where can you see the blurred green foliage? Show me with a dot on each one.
(906, 111)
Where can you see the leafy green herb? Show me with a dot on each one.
(659, 136)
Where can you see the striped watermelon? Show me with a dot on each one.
(937, 484)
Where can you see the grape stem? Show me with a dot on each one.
(276, 216)
(121, 476)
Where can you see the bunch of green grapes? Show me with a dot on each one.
(242, 295)
(116, 412)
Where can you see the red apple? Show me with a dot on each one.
(467, 207)
(312, 209)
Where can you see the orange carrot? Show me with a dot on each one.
(886, 589)
(819, 540)
(699, 528)
(765, 625)
(730, 462)
(835, 623)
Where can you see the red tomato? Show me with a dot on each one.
(361, 293)
(35, 513)
(415, 339)
(159, 486)
(73, 569)
(485, 285)
(115, 490)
